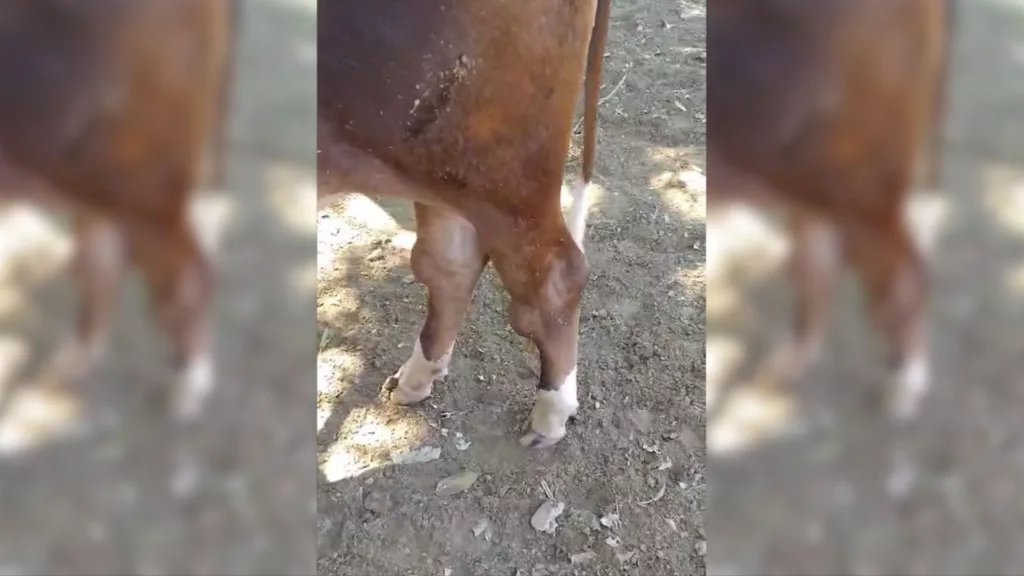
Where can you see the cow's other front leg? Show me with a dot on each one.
(448, 260)
(545, 277)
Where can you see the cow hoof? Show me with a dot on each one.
(406, 397)
(547, 427)
(551, 411)
(195, 384)
(416, 377)
(538, 441)
(907, 390)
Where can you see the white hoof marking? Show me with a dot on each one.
(911, 384)
(416, 377)
(194, 386)
(551, 412)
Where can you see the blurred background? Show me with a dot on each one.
(84, 474)
(798, 477)
(631, 470)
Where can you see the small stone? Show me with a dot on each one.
(455, 484)
(460, 442)
(419, 455)
(612, 541)
(610, 521)
(447, 572)
(544, 519)
(483, 528)
(582, 557)
(701, 547)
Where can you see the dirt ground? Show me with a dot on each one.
(640, 427)
(84, 474)
(798, 479)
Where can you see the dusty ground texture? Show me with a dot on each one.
(812, 502)
(98, 503)
(641, 423)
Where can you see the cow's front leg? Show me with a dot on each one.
(447, 259)
(545, 283)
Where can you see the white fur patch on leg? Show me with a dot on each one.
(578, 212)
(416, 377)
(910, 385)
(551, 412)
(194, 386)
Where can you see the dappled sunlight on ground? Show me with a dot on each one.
(33, 249)
(744, 248)
(1004, 198)
(34, 416)
(683, 190)
(32, 246)
(372, 437)
(1003, 195)
(336, 369)
(358, 220)
(596, 194)
(353, 232)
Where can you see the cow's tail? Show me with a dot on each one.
(936, 136)
(591, 90)
(219, 136)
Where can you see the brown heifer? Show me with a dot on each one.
(104, 111)
(820, 108)
(466, 107)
